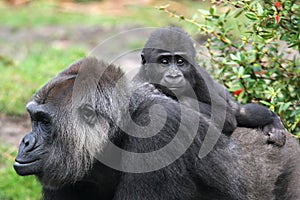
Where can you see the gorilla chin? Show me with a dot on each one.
(29, 160)
(24, 168)
(171, 89)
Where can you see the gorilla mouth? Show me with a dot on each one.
(174, 88)
(24, 168)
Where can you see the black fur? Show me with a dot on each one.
(64, 144)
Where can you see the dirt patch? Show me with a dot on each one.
(12, 129)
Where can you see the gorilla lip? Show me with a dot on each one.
(25, 167)
(19, 163)
(173, 88)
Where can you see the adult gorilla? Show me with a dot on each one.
(70, 129)
(168, 61)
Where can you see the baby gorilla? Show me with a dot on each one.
(168, 61)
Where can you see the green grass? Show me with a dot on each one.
(20, 80)
(13, 186)
(40, 13)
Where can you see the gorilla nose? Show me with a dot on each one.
(174, 76)
(28, 142)
(174, 79)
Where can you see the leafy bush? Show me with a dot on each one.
(252, 64)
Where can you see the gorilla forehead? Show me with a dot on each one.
(59, 90)
(170, 39)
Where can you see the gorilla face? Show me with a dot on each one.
(31, 151)
(168, 69)
(168, 61)
(65, 135)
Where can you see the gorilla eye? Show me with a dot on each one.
(180, 61)
(164, 61)
(43, 120)
(88, 114)
(42, 117)
(45, 126)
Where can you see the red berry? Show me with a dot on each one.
(278, 5)
(237, 92)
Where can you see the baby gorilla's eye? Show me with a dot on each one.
(180, 61)
(164, 61)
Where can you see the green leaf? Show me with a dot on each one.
(212, 10)
(241, 71)
(204, 12)
(163, 7)
(238, 13)
(259, 9)
(231, 63)
(234, 69)
(226, 40)
(251, 16)
(246, 76)
(265, 102)
(286, 105)
(267, 36)
(227, 13)
(233, 57)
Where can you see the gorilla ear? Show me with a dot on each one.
(143, 59)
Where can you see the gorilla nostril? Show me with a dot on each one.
(26, 143)
(29, 142)
(174, 76)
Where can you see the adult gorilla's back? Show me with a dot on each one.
(274, 171)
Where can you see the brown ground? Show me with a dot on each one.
(12, 129)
